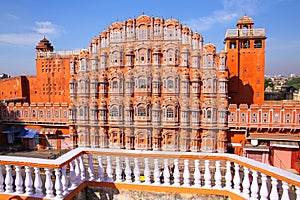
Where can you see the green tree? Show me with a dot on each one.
(268, 82)
(294, 82)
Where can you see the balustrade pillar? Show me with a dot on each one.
(18, 180)
(274, 190)
(285, 192)
(58, 184)
(176, 173)
(1, 180)
(127, 170)
(64, 180)
(254, 186)
(8, 180)
(156, 172)
(82, 169)
(186, 174)
(228, 176)
(38, 182)
(118, 170)
(28, 181)
(48, 184)
(264, 192)
(218, 176)
(147, 172)
(246, 183)
(100, 169)
(197, 174)
(166, 172)
(72, 174)
(77, 171)
(91, 169)
(109, 170)
(236, 179)
(136, 171)
(207, 174)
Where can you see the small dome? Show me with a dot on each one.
(245, 20)
(157, 20)
(185, 29)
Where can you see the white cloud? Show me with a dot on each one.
(230, 11)
(41, 28)
(12, 16)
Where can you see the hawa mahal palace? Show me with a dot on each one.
(152, 84)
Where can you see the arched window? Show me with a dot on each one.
(170, 113)
(115, 85)
(114, 112)
(170, 84)
(142, 83)
(208, 114)
(141, 111)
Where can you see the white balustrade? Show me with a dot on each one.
(118, 170)
(254, 185)
(8, 179)
(1, 180)
(109, 170)
(186, 174)
(137, 172)
(100, 169)
(218, 175)
(236, 179)
(38, 182)
(91, 168)
(166, 172)
(19, 180)
(207, 174)
(246, 183)
(48, 184)
(264, 192)
(156, 173)
(58, 184)
(176, 173)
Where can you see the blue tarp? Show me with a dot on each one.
(27, 133)
(11, 130)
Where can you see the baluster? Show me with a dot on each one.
(8, 180)
(64, 180)
(207, 174)
(58, 184)
(285, 192)
(246, 183)
(236, 179)
(77, 171)
(82, 168)
(218, 175)
(38, 182)
(176, 173)
(136, 171)
(28, 181)
(118, 170)
(19, 180)
(297, 193)
(91, 169)
(1, 180)
(147, 172)
(274, 190)
(156, 172)
(127, 170)
(48, 184)
(228, 176)
(186, 174)
(100, 169)
(197, 174)
(254, 186)
(109, 170)
(166, 173)
(264, 192)
(72, 175)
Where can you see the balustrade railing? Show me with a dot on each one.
(216, 173)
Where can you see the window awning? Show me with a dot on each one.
(27, 133)
(49, 131)
(285, 144)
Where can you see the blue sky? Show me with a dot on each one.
(72, 24)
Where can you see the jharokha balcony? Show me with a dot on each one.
(88, 173)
